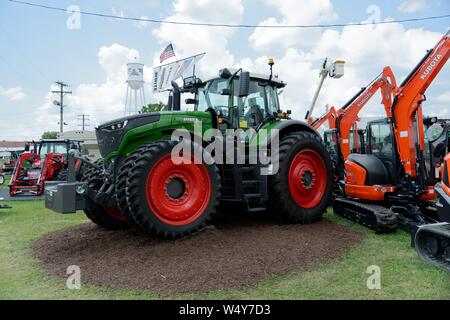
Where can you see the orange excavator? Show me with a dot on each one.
(343, 136)
(404, 177)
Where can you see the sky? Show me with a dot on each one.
(38, 47)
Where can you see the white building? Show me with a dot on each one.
(89, 143)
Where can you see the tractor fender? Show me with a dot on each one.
(290, 126)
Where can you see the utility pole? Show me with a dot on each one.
(83, 121)
(61, 94)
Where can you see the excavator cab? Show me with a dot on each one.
(358, 141)
(331, 139)
(381, 144)
(436, 146)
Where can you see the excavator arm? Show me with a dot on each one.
(407, 109)
(330, 116)
(348, 114)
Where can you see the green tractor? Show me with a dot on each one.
(137, 183)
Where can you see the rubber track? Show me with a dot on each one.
(375, 217)
(441, 232)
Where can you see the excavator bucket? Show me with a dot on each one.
(432, 241)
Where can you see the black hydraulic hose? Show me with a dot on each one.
(413, 72)
(88, 162)
(349, 102)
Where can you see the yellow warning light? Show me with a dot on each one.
(271, 62)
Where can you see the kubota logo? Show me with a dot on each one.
(364, 99)
(431, 66)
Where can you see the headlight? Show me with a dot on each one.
(80, 189)
(116, 126)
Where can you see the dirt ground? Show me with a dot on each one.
(236, 252)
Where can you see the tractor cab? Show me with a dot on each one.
(10, 163)
(237, 99)
(58, 146)
(437, 145)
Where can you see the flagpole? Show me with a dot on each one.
(175, 56)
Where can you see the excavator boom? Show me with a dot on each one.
(348, 114)
(408, 102)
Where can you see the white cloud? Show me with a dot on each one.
(444, 98)
(294, 12)
(142, 24)
(366, 50)
(102, 101)
(13, 94)
(412, 6)
(189, 40)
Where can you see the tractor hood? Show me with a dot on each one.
(110, 134)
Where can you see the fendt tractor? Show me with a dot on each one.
(138, 184)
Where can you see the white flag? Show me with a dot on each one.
(165, 74)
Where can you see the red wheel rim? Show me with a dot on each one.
(191, 195)
(307, 178)
(115, 213)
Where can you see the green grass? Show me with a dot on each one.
(404, 275)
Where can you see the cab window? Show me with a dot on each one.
(381, 143)
(210, 96)
(52, 148)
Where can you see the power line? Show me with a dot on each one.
(83, 121)
(226, 25)
(24, 55)
(61, 94)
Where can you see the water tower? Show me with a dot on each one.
(135, 96)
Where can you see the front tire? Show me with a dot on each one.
(109, 218)
(167, 199)
(301, 190)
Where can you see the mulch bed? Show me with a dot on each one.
(237, 252)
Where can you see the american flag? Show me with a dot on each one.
(167, 53)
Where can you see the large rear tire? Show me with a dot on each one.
(167, 199)
(301, 190)
(109, 218)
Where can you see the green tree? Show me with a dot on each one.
(153, 107)
(50, 135)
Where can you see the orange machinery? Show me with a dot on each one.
(342, 123)
(397, 181)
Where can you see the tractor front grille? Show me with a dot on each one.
(110, 134)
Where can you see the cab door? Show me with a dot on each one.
(381, 143)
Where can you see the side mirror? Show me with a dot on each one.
(244, 84)
(434, 132)
(190, 101)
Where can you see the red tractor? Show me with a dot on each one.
(9, 165)
(46, 162)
